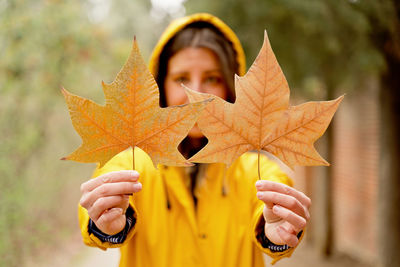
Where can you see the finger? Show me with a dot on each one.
(289, 238)
(106, 203)
(287, 201)
(270, 216)
(298, 223)
(265, 185)
(111, 177)
(110, 189)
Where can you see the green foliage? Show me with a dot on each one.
(327, 41)
(43, 45)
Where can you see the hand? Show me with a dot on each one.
(286, 211)
(106, 199)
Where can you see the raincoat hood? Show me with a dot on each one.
(178, 24)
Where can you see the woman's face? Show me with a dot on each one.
(199, 70)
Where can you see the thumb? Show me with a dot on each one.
(115, 212)
(111, 214)
(269, 215)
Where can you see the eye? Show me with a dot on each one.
(181, 79)
(213, 79)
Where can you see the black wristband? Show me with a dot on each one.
(266, 243)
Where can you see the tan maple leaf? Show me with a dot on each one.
(131, 117)
(261, 118)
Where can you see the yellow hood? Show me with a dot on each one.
(178, 24)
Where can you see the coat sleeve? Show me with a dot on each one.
(119, 162)
(269, 171)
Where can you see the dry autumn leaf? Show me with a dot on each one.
(261, 118)
(131, 117)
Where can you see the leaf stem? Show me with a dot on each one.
(258, 161)
(133, 158)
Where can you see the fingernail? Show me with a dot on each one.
(134, 173)
(117, 210)
(281, 229)
(276, 208)
(260, 195)
(139, 186)
(258, 184)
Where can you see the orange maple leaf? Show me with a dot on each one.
(261, 118)
(131, 117)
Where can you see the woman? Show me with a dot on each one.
(203, 215)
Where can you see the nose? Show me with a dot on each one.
(196, 85)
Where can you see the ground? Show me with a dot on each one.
(306, 256)
(78, 255)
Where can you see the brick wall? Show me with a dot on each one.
(355, 176)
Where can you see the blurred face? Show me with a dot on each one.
(198, 69)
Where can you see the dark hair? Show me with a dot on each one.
(200, 34)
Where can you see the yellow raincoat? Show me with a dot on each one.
(221, 230)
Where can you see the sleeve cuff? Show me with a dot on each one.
(266, 243)
(118, 238)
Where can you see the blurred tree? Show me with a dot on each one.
(384, 18)
(41, 45)
(335, 43)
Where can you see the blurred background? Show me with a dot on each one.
(325, 48)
